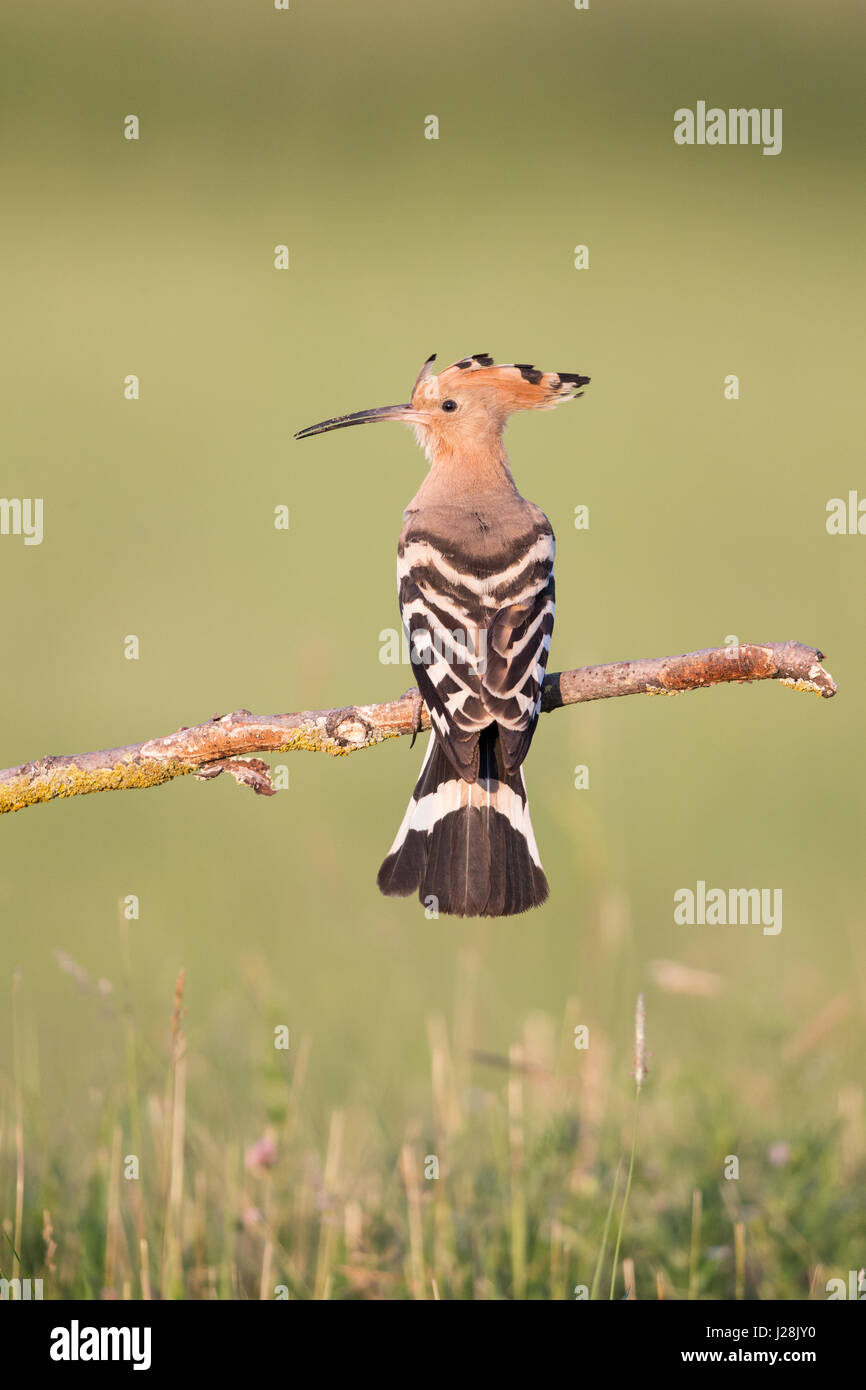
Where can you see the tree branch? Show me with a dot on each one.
(220, 745)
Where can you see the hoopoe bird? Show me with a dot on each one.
(476, 590)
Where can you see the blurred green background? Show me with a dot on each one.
(707, 520)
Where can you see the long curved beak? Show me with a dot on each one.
(405, 413)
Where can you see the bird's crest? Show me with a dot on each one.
(515, 385)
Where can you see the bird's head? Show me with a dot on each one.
(466, 406)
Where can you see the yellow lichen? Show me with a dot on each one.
(317, 741)
(69, 780)
(65, 779)
(809, 687)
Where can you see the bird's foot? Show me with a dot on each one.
(417, 708)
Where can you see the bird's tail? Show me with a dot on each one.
(467, 847)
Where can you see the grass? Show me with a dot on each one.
(529, 1149)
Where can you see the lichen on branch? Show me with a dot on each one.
(229, 742)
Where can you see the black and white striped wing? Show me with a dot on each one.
(479, 637)
(446, 622)
(518, 643)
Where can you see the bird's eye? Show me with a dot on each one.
(449, 405)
